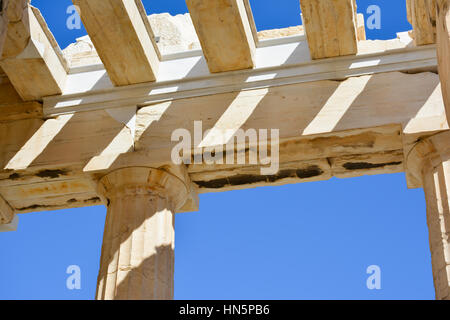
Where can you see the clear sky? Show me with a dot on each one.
(304, 241)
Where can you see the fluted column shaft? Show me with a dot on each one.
(137, 261)
(429, 162)
(436, 182)
(443, 49)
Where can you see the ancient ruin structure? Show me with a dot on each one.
(93, 124)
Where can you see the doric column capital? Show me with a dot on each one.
(427, 154)
(134, 181)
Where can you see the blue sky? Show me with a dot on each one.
(304, 241)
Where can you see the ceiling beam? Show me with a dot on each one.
(121, 34)
(422, 16)
(443, 49)
(29, 55)
(225, 34)
(331, 27)
(361, 27)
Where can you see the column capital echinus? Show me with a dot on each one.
(428, 154)
(135, 181)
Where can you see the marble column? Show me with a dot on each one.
(137, 261)
(443, 49)
(429, 162)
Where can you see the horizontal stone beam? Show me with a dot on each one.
(121, 33)
(422, 16)
(12, 107)
(276, 66)
(331, 27)
(225, 33)
(443, 49)
(245, 177)
(413, 101)
(29, 55)
(362, 125)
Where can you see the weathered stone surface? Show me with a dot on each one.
(362, 115)
(331, 126)
(122, 37)
(6, 212)
(429, 162)
(422, 16)
(278, 33)
(361, 27)
(402, 41)
(137, 260)
(225, 34)
(443, 49)
(174, 33)
(29, 55)
(331, 27)
(12, 107)
(82, 52)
